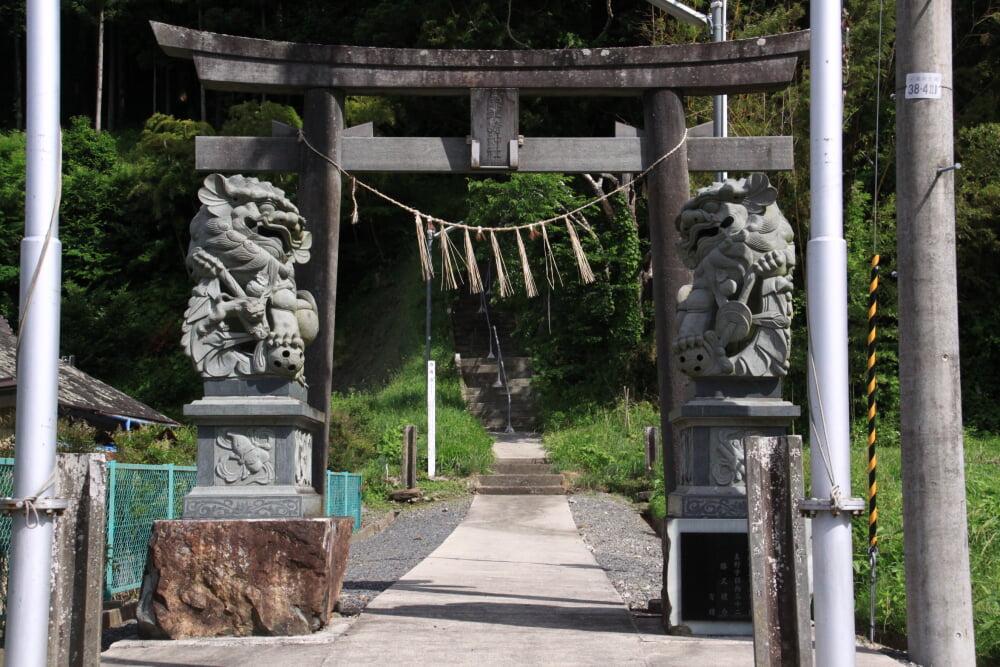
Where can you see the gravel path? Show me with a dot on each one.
(622, 543)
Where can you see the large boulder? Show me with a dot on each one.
(243, 577)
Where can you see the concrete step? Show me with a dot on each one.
(499, 404)
(522, 481)
(521, 491)
(519, 391)
(516, 367)
(495, 418)
(521, 468)
(542, 460)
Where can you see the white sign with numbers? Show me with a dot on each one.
(923, 85)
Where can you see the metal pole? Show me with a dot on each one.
(938, 589)
(827, 317)
(28, 592)
(720, 103)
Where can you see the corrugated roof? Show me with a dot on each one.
(77, 390)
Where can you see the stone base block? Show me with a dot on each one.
(243, 577)
(267, 502)
(707, 573)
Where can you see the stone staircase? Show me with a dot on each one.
(519, 477)
(482, 375)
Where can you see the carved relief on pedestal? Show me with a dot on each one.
(303, 458)
(245, 457)
(687, 458)
(728, 462)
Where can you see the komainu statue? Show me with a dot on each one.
(245, 316)
(734, 318)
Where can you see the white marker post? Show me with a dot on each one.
(431, 418)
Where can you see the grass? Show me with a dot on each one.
(982, 475)
(381, 387)
(368, 432)
(605, 447)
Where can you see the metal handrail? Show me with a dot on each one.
(484, 306)
(502, 375)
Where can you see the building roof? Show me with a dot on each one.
(79, 393)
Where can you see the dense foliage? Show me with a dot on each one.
(585, 339)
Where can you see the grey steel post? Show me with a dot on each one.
(720, 103)
(826, 285)
(28, 592)
(938, 590)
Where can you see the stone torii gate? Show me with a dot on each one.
(324, 75)
(494, 80)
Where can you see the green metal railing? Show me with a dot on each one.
(6, 491)
(138, 495)
(343, 495)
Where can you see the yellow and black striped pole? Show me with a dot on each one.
(872, 459)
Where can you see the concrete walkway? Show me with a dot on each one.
(513, 584)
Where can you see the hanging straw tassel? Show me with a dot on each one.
(551, 268)
(586, 274)
(449, 275)
(354, 202)
(529, 280)
(475, 282)
(502, 277)
(426, 270)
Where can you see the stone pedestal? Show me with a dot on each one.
(708, 568)
(243, 577)
(711, 480)
(255, 440)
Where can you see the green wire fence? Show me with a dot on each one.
(140, 494)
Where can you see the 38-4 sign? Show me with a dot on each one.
(923, 85)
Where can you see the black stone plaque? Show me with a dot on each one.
(716, 581)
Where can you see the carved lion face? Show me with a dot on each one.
(259, 209)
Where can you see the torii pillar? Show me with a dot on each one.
(319, 203)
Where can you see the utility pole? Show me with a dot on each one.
(935, 539)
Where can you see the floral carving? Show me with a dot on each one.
(727, 456)
(303, 458)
